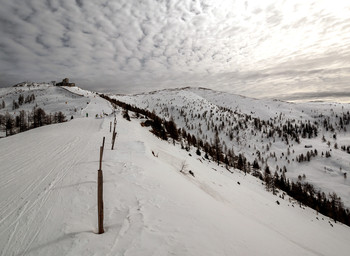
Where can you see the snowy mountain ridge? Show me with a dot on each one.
(273, 133)
(48, 196)
(20, 105)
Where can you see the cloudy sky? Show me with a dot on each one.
(290, 50)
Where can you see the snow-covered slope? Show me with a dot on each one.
(48, 199)
(71, 101)
(21, 103)
(202, 112)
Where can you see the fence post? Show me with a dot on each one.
(113, 130)
(114, 135)
(113, 139)
(100, 195)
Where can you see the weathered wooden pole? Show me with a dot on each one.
(100, 195)
(113, 131)
(113, 139)
(114, 135)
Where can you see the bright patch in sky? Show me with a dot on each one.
(285, 49)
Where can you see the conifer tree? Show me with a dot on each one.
(217, 146)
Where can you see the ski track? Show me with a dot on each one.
(32, 188)
(33, 205)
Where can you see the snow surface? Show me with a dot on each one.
(48, 97)
(72, 101)
(48, 199)
(326, 174)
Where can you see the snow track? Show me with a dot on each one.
(35, 180)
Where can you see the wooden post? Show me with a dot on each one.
(103, 148)
(113, 139)
(113, 132)
(114, 135)
(115, 124)
(101, 154)
(100, 195)
(100, 202)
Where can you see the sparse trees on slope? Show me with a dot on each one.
(14, 105)
(22, 119)
(217, 147)
(9, 124)
(171, 128)
(61, 117)
(38, 117)
(20, 99)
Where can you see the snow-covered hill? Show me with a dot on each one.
(46, 96)
(48, 199)
(263, 130)
(23, 99)
(48, 189)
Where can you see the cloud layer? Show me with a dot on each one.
(256, 48)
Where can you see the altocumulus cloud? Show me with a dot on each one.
(287, 49)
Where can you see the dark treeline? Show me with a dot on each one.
(164, 129)
(305, 193)
(160, 127)
(308, 156)
(28, 120)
